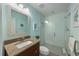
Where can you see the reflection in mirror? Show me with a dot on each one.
(21, 21)
(18, 23)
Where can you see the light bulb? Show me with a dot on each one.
(46, 21)
(21, 5)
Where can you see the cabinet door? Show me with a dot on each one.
(32, 51)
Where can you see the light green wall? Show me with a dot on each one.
(36, 18)
(74, 31)
(4, 25)
(0, 29)
(70, 25)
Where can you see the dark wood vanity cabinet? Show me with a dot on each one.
(32, 51)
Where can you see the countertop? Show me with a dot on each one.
(12, 50)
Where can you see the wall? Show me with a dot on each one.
(0, 29)
(74, 31)
(70, 24)
(4, 23)
(37, 18)
(42, 31)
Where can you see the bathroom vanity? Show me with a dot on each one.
(26, 47)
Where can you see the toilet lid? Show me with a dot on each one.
(43, 48)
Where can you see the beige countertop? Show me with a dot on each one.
(12, 50)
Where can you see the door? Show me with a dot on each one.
(55, 30)
(50, 31)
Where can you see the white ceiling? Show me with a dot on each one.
(48, 8)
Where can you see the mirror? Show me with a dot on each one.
(18, 23)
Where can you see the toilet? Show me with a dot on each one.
(44, 50)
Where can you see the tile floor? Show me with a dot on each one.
(50, 54)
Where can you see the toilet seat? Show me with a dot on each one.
(44, 50)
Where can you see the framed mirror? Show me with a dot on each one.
(18, 23)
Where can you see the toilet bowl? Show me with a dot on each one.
(44, 50)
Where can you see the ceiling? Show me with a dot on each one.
(48, 8)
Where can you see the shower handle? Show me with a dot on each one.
(54, 35)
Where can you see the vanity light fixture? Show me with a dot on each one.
(27, 11)
(21, 6)
(13, 4)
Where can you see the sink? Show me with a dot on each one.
(23, 44)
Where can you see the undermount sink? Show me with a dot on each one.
(23, 44)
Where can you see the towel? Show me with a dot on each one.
(71, 43)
